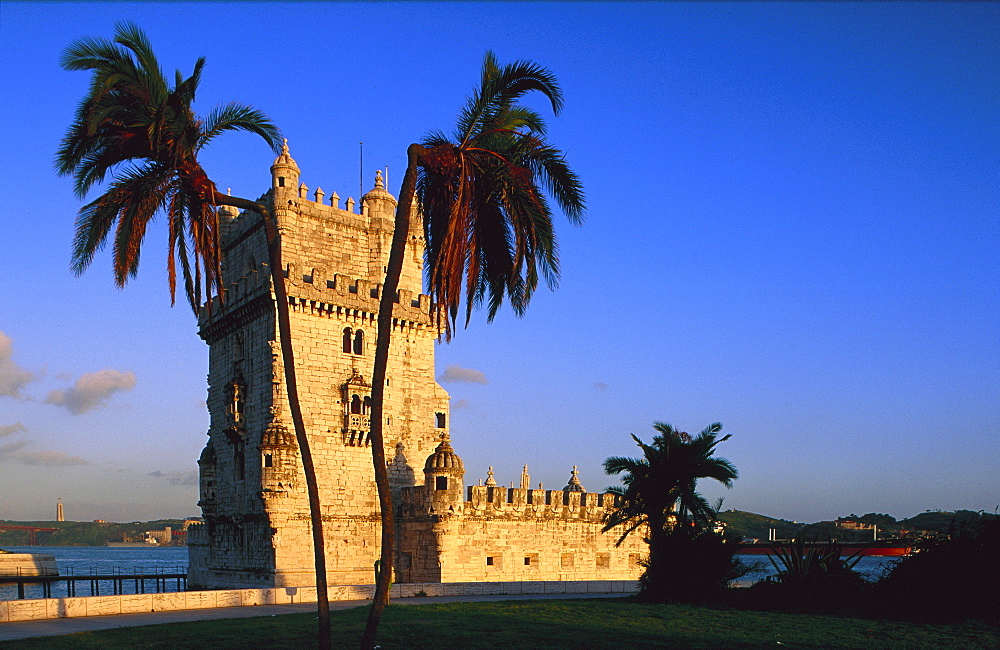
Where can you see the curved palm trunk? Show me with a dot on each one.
(387, 300)
(324, 640)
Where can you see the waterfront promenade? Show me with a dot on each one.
(57, 626)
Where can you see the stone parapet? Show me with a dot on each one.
(28, 564)
(48, 608)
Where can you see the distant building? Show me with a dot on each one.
(161, 537)
(253, 494)
(60, 516)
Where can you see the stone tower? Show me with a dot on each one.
(253, 494)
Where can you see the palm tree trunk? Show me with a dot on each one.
(324, 640)
(387, 300)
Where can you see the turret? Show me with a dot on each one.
(443, 474)
(379, 206)
(285, 173)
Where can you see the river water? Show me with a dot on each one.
(88, 560)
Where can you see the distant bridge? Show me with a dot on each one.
(32, 531)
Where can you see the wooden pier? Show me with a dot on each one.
(117, 581)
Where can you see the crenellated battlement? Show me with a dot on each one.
(313, 293)
(507, 503)
(438, 496)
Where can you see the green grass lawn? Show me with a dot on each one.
(578, 624)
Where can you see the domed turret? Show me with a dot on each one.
(228, 212)
(284, 171)
(379, 192)
(443, 474)
(574, 483)
(379, 205)
(444, 459)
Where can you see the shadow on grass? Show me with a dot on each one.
(578, 624)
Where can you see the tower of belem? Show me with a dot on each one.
(252, 488)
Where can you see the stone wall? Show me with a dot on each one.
(31, 610)
(28, 564)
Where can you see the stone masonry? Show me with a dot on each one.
(253, 494)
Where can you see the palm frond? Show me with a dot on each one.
(239, 117)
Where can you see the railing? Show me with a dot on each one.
(159, 579)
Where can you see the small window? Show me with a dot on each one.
(347, 339)
(359, 342)
(281, 181)
(567, 560)
(527, 561)
(439, 420)
(366, 407)
(440, 482)
(634, 560)
(268, 460)
(603, 560)
(489, 560)
(355, 405)
(510, 495)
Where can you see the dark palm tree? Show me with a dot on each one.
(137, 129)
(659, 492)
(482, 194)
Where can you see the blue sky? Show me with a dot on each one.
(792, 229)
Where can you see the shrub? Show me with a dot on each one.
(954, 578)
(692, 566)
(813, 579)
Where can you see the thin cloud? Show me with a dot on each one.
(15, 451)
(177, 478)
(600, 385)
(92, 390)
(49, 458)
(460, 404)
(13, 377)
(455, 374)
(11, 429)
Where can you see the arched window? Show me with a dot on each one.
(356, 405)
(347, 340)
(359, 342)
(366, 407)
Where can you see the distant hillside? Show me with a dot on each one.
(938, 521)
(754, 526)
(83, 533)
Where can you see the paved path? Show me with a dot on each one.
(55, 626)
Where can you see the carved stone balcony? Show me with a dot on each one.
(357, 422)
(356, 429)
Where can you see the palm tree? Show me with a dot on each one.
(659, 489)
(135, 128)
(488, 230)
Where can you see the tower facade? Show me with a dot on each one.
(253, 492)
(252, 488)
